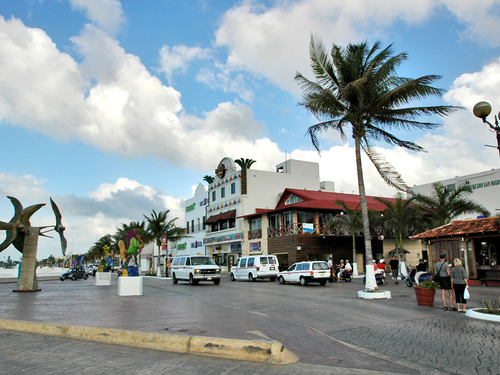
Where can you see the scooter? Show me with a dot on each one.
(410, 280)
(379, 278)
(346, 276)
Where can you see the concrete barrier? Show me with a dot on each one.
(246, 350)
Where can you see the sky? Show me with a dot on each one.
(114, 108)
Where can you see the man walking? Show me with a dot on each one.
(443, 269)
(394, 263)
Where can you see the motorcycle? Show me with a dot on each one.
(379, 278)
(410, 280)
(346, 276)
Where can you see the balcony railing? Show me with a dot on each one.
(322, 229)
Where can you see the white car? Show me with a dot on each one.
(306, 272)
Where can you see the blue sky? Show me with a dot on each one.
(117, 108)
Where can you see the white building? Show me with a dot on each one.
(485, 189)
(195, 216)
(237, 192)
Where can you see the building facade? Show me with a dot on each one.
(195, 215)
(237, 192)
(485, 189)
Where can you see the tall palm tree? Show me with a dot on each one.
(357, 89)
(245, 163)
(399, 216)
(445, 204)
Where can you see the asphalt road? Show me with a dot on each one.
(327, 327)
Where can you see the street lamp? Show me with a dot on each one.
(482, 110)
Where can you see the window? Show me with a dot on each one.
(305, 217)
(272, 260)
(299, 267)
(223, 225)
(293, 199)
(233, 188)
(274, 221)
(288, 218)
(198, 226)
(215, 227)
(232, 223)
(213, 196)
(223, 192)
(251, 262)
(305, 266)
(256, 224)
(320, 266)
(188, 261)
(243, 262)
(192, 225)
(263, 260)
(204, 219)
(292, 267)
(187, 226)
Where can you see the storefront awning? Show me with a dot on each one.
(223, 216)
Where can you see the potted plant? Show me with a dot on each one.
(425, 292)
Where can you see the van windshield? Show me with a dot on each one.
(201, 261)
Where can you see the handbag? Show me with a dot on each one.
(466, 293)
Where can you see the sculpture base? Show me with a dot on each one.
(103, 278)
(130, 286)
(381, 294)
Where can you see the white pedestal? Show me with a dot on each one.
(103, 278)
(130, 286)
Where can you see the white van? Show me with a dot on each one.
(195, 268)
(255, 267)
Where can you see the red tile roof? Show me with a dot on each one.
(463, 227)
(326, 201)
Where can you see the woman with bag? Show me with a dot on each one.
(459, 281)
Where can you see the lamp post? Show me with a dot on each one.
(482, 110)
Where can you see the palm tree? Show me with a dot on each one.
(445, 204)
(245, 163)
(158, 226)
(357, 89)
(399, 217)
(208, 179)
(352, 220)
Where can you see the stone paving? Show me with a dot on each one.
(452, 343)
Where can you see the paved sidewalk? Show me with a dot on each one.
(354, 336)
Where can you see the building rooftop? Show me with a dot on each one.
(463, 228)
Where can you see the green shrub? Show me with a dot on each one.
(491, 307)
(429, 284)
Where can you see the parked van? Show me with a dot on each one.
(255, 267)
(195, 268)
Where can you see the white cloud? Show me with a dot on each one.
(106, 14)
(223, 79)
(179, 57)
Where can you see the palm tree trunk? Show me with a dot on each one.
(371, 283)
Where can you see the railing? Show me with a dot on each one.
(255, 234)
(323, 229)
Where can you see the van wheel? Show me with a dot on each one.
(232, 277)
(322, 282)
(217, 281)
(273, 279)
(192, 281)
(303, 281)
(174, 279)
(281, 280)
(250, 277)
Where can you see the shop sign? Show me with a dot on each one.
(196, 244)
(308, 228)
(236, 248)
(255, 246)
(191, 207)
(181, 246)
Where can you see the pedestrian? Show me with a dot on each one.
(330, 266)
(394, 263)
(459, 282)
(443, 270)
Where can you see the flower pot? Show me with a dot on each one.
(424, 297)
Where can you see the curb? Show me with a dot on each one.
(272, 352)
